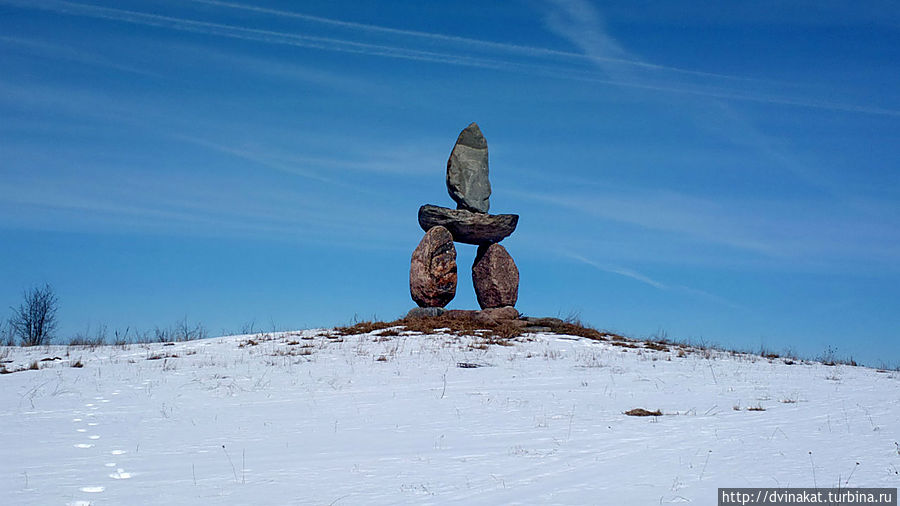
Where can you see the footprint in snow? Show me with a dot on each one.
(120, 474)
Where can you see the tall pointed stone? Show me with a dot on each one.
(467, 171)
(432, 270)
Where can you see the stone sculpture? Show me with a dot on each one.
(432, 273)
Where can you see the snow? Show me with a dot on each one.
(312, 418)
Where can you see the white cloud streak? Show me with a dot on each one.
(465, 41)
(637, 276)
(598, 48)
(621, 271)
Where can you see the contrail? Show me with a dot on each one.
(353, 47)
(499, 46)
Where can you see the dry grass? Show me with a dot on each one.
(303, 351)
(575, 328)
(487, 331)
(158, 356)
(643, 412)
(462, 323)
(363, 327)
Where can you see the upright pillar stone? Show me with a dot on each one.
(495, 276)
(432, 269)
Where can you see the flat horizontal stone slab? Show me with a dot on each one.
(467, 226)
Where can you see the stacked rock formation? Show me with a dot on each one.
(432, 272)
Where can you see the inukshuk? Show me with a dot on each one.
(432, 272)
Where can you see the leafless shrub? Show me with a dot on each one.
(181, 331)
(34, 321)
(86, 339)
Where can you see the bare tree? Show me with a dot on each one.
(35, 319)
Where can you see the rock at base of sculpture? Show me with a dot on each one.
(467, 171)
(432, 270)
(495, 276)
(501, 313)
(425, 312)
(468, 227)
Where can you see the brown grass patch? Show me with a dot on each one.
(362, 328)
(643, 412)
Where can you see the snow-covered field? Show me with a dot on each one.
(308, 418)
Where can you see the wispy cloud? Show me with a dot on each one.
(792, 233)
(464, 41)
(110, 199)
(254, 34)
(580, 23)
(637, 276)
(56, 51)
(621, 271)
(699, 218)
(575, 20)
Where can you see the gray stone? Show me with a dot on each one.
(432, 269)
(425, 312)
(467, 171)
(467, 226)
(495, 276)
(544, 321)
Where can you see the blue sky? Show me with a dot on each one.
(721, 173)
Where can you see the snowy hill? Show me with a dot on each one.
(392, 416)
